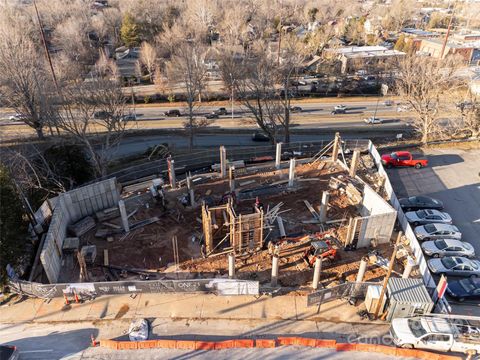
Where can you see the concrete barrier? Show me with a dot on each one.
(271, 343)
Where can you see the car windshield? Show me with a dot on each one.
(440, 244)
(449, 262)
(467, 285)
(393, 155)
(421, 214)
(430, 228)
(474, 265)
(412, 199)
(416, 328)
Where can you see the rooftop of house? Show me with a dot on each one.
(450, 44)
(367, 51)
(419, 32)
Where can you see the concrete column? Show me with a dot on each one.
(190, 191)
(408, 268)
(316, 273)
(291, 173)
(278, 155)
(231, 178)
(231, 266)
(350, 230)
(362, 269)
(274, 281)
(281, 228)
(171, 172)
(336, 147)
(123, 214)
(324, 206)
(354, 164)
(223, 162)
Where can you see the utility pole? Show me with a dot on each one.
(232, 81)
(444, 45)
(387, 277)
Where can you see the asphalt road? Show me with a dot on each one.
(452, 177)
(315, 114)
(62, 340)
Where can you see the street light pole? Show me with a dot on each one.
(231, 82)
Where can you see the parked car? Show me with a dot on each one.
(9, 352)
(101, 114)
(432, 333)
(403, 108)
(420, 202)
(402, 158)
(388, 103)
(340, 108)
(428, 216)
(173, 113)
(372, 120)
(455, 265)
(212, 115)
(437, 231)
(260, 136)
(464, 289)
(138, 330)
(448, 247)
(295, 109)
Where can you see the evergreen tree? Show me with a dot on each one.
(13, 228)
(129, 31)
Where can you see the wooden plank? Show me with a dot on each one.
(113, 226)
(105, 257)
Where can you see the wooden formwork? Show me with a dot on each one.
(245, 232)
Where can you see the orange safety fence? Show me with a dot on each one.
(271, 343)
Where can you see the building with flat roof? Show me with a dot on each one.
(355, 58)
(433, 47)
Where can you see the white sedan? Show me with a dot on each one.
(428, 216)
(340, 108)
(373, 120)
(448, 247)
(455, 265)
(437, 231)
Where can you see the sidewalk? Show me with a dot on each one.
(174, 306)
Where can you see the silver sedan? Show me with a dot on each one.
(428, 216)
(455, 265)
(448, 247)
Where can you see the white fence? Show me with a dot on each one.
(407, 229)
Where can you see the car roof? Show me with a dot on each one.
(402, 153)
(440, 226)
(453, 242)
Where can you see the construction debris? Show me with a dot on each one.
(83, 226)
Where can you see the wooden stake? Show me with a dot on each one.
(390, 268)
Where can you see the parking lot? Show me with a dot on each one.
(452, 176)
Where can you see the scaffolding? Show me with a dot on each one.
(244, 231)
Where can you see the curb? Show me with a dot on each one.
(272, 343)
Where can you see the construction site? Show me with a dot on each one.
(273, 221)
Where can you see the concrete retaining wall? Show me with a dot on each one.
(379, 218)
(69, 208)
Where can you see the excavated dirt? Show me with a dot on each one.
(150, 247)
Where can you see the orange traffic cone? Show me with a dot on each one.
(66, 299)
(76, 297)
(94, 343)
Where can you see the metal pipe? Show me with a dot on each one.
(231, 266)
(278, 155)
(316, 273)
(291, 173)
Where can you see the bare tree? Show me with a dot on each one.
(95, 118)
(148, 58)
(188, 70)
(24, 83)
(469, 111)
(422, 83)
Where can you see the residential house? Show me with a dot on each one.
(433, 47)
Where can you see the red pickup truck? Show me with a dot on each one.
(402, 158)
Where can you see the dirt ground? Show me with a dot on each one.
(150, 247)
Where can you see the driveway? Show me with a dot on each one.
(452, 177)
